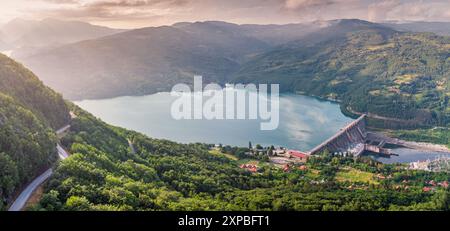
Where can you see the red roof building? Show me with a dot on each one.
(298, 154)
(250, 167)
(444, 184)
(303, 168)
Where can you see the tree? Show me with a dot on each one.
(50, 201)
(9, 177)
(76, 203)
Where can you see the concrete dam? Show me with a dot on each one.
(351, 137)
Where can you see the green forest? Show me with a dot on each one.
(370, 69)
(103, 173)
(29, 113)
(390, 74)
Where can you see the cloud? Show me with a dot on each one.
(61, 1)
(302, 4)
(119, 13)
(137, 13)
(412, 10)
(378, 11)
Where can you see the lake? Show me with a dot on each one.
(304, 121)
(406, 155)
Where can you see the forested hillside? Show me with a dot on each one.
(29, 113)
(440, 28)
(103, 173)
(370, 68)
(25, 37)
(27, 90)
(401, 78)
(154, 59)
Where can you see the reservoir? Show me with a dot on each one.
(304, 121)
(406, 155)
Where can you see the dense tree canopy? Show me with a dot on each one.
(103, 173)
(370, 70)
(29, 113)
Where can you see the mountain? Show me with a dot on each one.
(29, 113)
(440, 28)
(51, 32)
(16, 28)
(113, 169)
(369, 67)
(338, 59)
(270, 34)
(154, 59)
(137, 62)
(3, 45)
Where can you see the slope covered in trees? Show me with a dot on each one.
(29, 113)
(103, 173)
(156, 58)
(370, 68)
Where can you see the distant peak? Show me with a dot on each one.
(353, 22)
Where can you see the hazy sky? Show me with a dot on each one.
(139, 13)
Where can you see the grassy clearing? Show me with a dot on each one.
(313, 174)
(405, 79)
(380, 47)
(219, 153)
(354, 175)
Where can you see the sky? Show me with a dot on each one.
(141, 13)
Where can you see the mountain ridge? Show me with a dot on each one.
(404, 72)
(29, 114)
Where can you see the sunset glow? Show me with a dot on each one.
(140, 13)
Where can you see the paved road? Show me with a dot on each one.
(133, 150)
(25, 195)
(63, 129)
(61, 152)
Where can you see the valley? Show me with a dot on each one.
(128, 155)
(365, 66)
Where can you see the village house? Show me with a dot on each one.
(279, 151)
(303, 168)
(299, 156)
(250, 167)
(443, 184)
(286, 168)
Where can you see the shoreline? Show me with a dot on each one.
(421, 146)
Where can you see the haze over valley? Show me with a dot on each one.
(87, 120)
(322, 58)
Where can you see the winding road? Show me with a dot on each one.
(25, 195)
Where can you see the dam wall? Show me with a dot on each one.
(345, 139)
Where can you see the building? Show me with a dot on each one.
(443, 184)
(420, 165)
(279, 151)
(303, 168)
(250, 167)
(303, 157)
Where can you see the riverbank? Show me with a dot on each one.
(421, 146)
